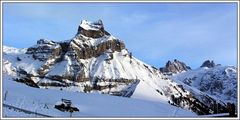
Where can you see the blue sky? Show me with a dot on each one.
(153, 32)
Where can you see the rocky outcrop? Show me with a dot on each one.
(78, 47)
(25, 78)
(96, 29)
(175, 67)
(208, 63)
(44, 50)
(88, 51)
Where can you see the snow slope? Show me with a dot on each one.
(12, 50)
(90, 105)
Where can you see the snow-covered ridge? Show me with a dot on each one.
(12, 50)
(220, 82)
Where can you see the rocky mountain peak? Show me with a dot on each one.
(168, 63)
(93, 59)
(208, 63)
(175, 67)
(92, 29)
(91, 41)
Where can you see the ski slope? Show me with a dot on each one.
(90, 105)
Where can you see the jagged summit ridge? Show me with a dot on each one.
(175, 67)
(91, 41)
(208, 63)
(92, 29)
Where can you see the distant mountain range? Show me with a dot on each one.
(210, 79)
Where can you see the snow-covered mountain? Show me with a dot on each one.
(94, 61)
(218, 81)
(210, 83)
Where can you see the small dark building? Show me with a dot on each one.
(66, 106)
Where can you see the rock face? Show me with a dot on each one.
(208, 63)
(175, 67)
(44, 50)
(96, 29)
(80, 46)
(84, 50)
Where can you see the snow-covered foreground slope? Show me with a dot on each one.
(90, 105)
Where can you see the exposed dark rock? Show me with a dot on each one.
(25, 78)
(27, 81)
(19, 59)
(44, 50)
(55, 84)
(175, 67)
(64, 46)
(85, 52)
(208, 63)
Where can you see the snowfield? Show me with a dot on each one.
(90, 105)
